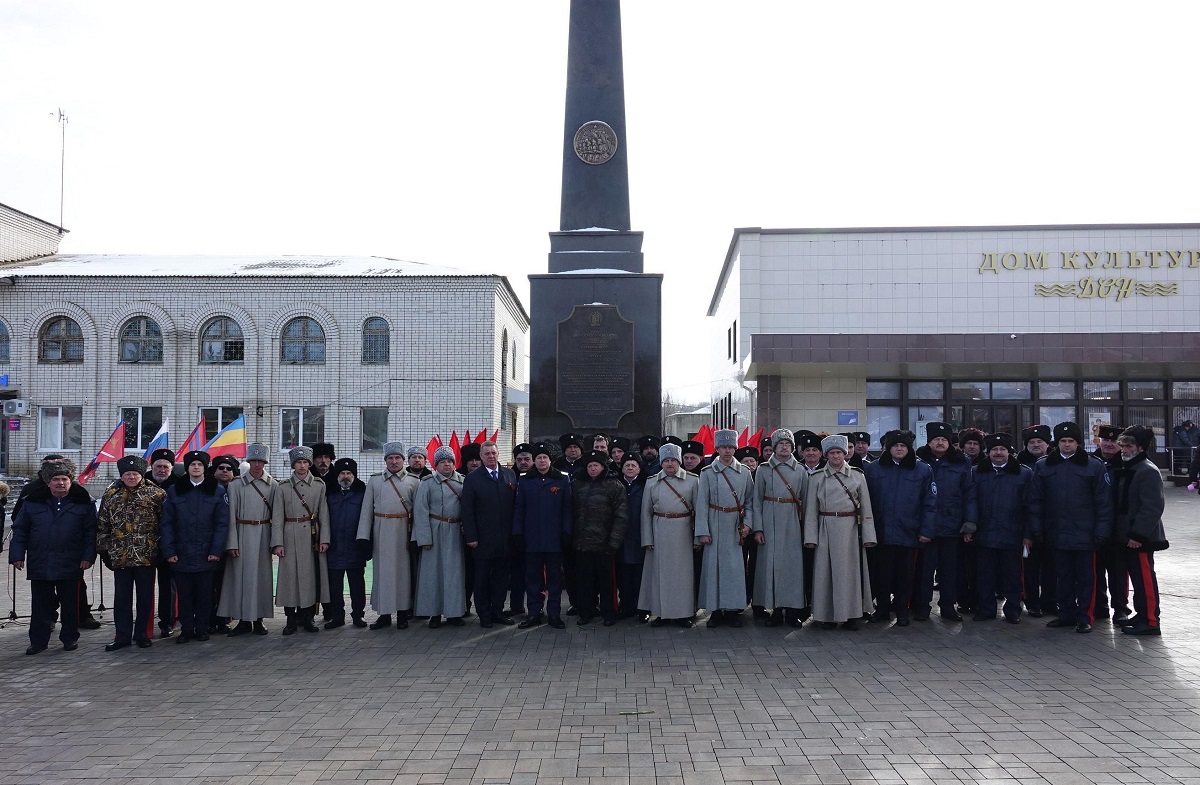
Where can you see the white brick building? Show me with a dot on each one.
(353, 351)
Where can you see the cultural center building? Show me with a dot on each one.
(993, 327)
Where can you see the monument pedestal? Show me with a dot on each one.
(595, 350)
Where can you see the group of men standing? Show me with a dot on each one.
(652, 528)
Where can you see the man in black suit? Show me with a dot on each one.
(488, 496)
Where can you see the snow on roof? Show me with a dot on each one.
(116, 265)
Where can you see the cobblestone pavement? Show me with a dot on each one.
(934, 702)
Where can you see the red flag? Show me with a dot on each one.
(112, 450)
(433, 446)
(466, 439)
(756, 439)
(743, 437)
(455, 447)
(495, 434)
(481, 437)
(707, 438)
(195, 441)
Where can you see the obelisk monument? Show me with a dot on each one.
(596, 318)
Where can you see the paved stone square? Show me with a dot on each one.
(936, 702)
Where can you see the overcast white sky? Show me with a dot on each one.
(432, 131)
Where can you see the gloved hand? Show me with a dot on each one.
(1101, 542)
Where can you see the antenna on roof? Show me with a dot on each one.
(62, 170)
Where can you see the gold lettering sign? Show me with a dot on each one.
(1116, 288)
(1012, 261)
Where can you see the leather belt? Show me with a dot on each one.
(305, 519)
(672, 515)
(391, 516)
(724, 509)
(839, 514)
(445, 520)
(780, 499)
(258, 523)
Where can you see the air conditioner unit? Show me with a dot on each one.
(15, 407)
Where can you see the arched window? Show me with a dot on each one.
(303, 342)
(60, 341)
(376, 342)
(5, 345)
(221, 341)
(141, 341)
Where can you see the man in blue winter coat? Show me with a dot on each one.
(1003, 531)
(956, 518)
(904, 500)
(542, 527)
(1073, 496)
(54, 535)
(194, 527)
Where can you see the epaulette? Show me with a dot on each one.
(377, 474)
(856, 469)
(423, 479)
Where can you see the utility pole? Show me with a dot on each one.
(62, 168)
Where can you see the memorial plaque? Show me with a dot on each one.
(595, 366)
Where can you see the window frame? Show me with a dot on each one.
(5, 344)
(142, 341)
(304, 413)
(225, 338)
(66, 341)
(305, 342)
(142, 436)
(59, 428)
(375, 334)
(377, 445)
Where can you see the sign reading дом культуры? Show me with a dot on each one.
(1100, 284)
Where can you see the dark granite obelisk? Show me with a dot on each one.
(596, 319)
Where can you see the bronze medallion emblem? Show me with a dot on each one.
(595, 142)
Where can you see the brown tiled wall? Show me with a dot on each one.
(960, 348)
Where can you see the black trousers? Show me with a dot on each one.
(629, 586)
(940, 555)
(167, 612)
(543, 581)
(750, 558)
(896, 579)
(1112, 580)
(195, 600)
(218, 579)
(966, 581)
(1041, 582)
(516, 581)
(1076, 585)
(998, 568)
(491, 584)
(1145, 585)
(130, 584)
(596, 581)
(356, 577)
(568, 574)
(414, 565)
(45, 596)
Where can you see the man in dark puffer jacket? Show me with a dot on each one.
(54, 534)
(601, 517)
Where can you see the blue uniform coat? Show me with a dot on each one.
(956, 504)
(1074, 500)
(346, 552)
(1005, 503)
(542, 513)
(195, 524)
(53, 537)
(903, 498)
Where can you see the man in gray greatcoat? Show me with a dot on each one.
(300, 538)
(778, 493)
(437, 531)
(246, 590)
(723, 518)
(386, 520)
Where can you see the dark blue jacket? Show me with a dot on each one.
(631, 550)
(1139, 504)
(1075, 501)
(953, 475)
(346, 552)
(195, 523)
(543, 511)
(1005, 500)
(487, 511)
(53, 539)
(903, 500)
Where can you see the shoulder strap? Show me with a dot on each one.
(450, 484)
(303, 503)
(787, 485)
(691, 510)
(254, 484)
(849, 495)
(400, 496)
(736, 499)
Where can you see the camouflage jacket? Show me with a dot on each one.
(127, 526)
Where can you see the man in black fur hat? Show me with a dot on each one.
(957, 515)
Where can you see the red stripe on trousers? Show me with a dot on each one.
(1148, 585)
